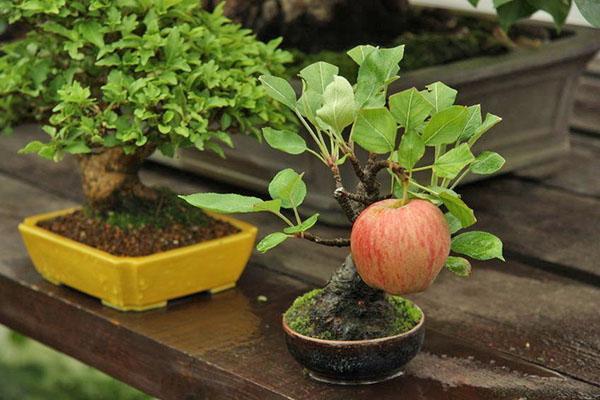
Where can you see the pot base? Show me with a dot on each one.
(326, 379)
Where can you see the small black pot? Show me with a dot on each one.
(355, 362)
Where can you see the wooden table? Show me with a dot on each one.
(524, 329)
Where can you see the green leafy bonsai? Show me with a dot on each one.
(400, 238)
(113, 81)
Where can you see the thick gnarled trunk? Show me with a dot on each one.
(111, 174)
(348, 309)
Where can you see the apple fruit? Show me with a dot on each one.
(400, 249)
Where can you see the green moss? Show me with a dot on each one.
(297, 315)
(168, 209)
(407, 316)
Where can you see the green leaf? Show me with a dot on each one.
(453, 223)
(77, 148)
(279, 89)
(449, 164)
(286, 141)
(472, 123)
(487, 163)
(439, 95)
(92, 32)
(510, 11)
(339, 106)
(490, 121)
(376, 71)
(359, 53)
(478, 245)
(273, 206)
(318, 75)
(304, 226)
(410, 108)
(411, 150)
(458, 208)
(308, 104)
(559, 9)
(288, 186)
(474, 3)
(460, 266)
(271, 241)
(32, 147)
(375, 130)
(445, 126)
(223, 203)
(590, 9)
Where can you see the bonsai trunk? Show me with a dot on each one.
(110, 175)
(348, 309)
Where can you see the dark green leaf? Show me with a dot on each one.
(460, 266)
(223, 203)
(487, 163)
(318, 75)
(410, 108)
(478, 245)
(453, 222)
(339, 107)
(288, 186)
(458, 208)
(411, 150)
(271, 241)
(439, 95)
(304, 226)
(279, 89)
(590, 9)
(449, 164)
(286, 141)
(375, 130)
(445, 126)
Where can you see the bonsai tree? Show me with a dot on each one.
(113, 81)
(400, 237)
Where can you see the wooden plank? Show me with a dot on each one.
(578, 171)
(490, 314)
(231, 346)
(544, 226)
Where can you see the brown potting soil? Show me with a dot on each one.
(138, 241)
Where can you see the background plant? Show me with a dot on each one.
(114, 80)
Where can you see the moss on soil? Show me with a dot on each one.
(134, 212)
(298, 316)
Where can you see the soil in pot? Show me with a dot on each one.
(138, 227)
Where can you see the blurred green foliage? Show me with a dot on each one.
(31, 371)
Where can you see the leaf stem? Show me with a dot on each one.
(460, 177)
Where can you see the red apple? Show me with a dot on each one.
(400, 249)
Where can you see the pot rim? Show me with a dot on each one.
(341, 343)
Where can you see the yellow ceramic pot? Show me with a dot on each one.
(139, 283)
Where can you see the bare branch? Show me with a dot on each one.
(337, 242)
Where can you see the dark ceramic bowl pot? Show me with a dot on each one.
(358, 361)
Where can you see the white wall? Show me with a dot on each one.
(486, 6)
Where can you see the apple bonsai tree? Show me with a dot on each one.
(113, 81)
(400, 236)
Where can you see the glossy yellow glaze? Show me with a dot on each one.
(139, 283)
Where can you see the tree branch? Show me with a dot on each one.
(337, 242)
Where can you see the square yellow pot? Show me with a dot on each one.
(139, 283)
